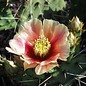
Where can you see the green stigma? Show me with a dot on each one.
(41, 46)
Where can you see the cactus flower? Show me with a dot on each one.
(41, 45)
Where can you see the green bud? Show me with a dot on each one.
(72, 39)
(75, 25)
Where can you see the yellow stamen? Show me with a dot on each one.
(41, 46)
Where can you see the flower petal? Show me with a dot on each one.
(29, 60)
(26, 65)
(29, 53)
(49, 27)
(17, 46)
(52, 59)
(22, 34)
(36, 26)
(63, 50)
(60, 35)
(11, 50)
(40, 69)
(60, 43)
(33, 28)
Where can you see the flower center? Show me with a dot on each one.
(41, 46)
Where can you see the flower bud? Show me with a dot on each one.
(72, 39)
(75, 25)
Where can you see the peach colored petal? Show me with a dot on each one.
(11, 50)
(22, 34)
(64, 54)
(52, 59)
(49, 27)
(28, 29)
(60, 42)
(17, 46)
(45, 62)
(40, 69)
(33, 28)
(63, 50)
(26, 65)
(29, 60)
(36, 25)
(60, 35)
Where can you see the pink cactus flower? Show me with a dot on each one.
(41, 45)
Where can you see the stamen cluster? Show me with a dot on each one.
(41, 46)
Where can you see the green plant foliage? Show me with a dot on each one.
(7, 21)
(57, 5)
(36, 8)
(30, 78)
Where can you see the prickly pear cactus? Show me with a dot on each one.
(37, 8)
